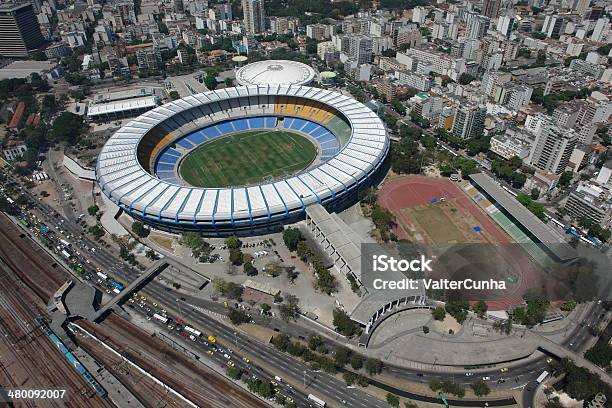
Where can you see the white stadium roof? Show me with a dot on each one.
(275, 72)
(124, 180)
(121, 106)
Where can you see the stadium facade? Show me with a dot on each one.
(138, 166)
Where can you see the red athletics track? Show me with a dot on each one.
(414, 191)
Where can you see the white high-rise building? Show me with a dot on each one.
(254, 21)
(360, 48)
(553, 148)
(469, 121)
(505, 24)
(601, 27)
(418, 15)
(478, 27)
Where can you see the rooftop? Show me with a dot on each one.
(275, 72)
(546, 235)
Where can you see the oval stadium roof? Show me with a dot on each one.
(275, 72)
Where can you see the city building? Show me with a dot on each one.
(319, 32)
(513, 95)
(589, 201)
(586, 68)
(58, 51)
(324, 48)
(508, 146)
(490, 8)
(14, 150)
(478, 27)
(552, 148)
(360, 48)
(469, 120)
(20, 32)
(254, 20)
(149, 58)
(553, 26)
(421, 82)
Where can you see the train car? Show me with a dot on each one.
(193, 331)
(117, 285)
(161, 318)
(318, 401)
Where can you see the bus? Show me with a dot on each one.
(193, 331)
(102, 276)
(117, 285)
(64, 242)
(318, 401)
(161, 318)
(66, 254)
(542, 377)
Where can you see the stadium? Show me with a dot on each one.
(243, 160)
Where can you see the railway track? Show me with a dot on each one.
(196, 382)
(33, 356)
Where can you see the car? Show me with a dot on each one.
(246, 360)
(486, 378)
(210, 352)
(549, 360)
(469, 374)
(231, 363)
(226, 356)
(503, 370)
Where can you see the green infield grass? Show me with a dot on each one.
(247, 158)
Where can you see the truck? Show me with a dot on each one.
(161, 318)
(278, 379)
(66, 254)
(43, 228)
(117, 285)
(318, 401)
(117, 291)
(212, 339)
(193, 331)
(542, 377)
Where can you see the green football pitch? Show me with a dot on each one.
(247, 158)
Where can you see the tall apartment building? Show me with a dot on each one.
(19, 30)
(254, 20)
(581, 6)
(490, 8)
(601, 26)
(319, 31)
(553, 26)
(552, 148)
(469, 121)
(360, 48)
(418, 14)
(478, 27)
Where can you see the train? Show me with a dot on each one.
(74, 362)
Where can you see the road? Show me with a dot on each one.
(519, 375)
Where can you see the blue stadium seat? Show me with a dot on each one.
(257, 123)
(165, 174)
(225, 128)
(196, 138)
(173, 152)
(270, 122)
(163, 166)
(326, 138)
(210, 132)
(185, 143)
(240, 124)
(329, 143)
(168, 158)
(310, 127)
(318, 132)
(297, 124)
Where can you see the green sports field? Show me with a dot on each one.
(247, 158)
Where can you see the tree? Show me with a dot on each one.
(249, 269)
(397, 106)
(289, 308)
(174, 95)
(67, 128)
(535, 193)
(236, 256)
(92, 210)
(238, 316)
(465, 78)
(373, 366)
(349, 377)
(291, 238)
(139, 229)
(600, 354)
(565, 178)
(233, 242)
(438, 313)
(265, 308)
(458, 309)
(480, 308)
(480, 388)
(343, 323)
(425, 329)
(356, 361)
(342, 356)
(393, 400)
(303, 251)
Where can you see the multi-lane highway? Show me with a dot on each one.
(325, 385)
